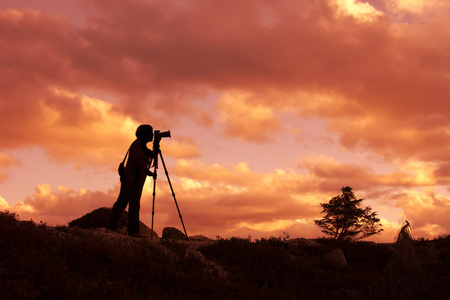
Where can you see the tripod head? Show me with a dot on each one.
(158, 136)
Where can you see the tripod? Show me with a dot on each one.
(157, 150)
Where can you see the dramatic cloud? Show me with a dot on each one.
(362, 11)
(409, 174)
(247, 121)
(3, 204)
(372, 72)
(427, 212)
(215, 202)
(60, 206)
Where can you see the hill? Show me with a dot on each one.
(42, 262)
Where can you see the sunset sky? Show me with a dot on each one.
(273, 107)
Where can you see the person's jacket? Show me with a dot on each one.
(138, 162)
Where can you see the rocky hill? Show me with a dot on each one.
(42, 262)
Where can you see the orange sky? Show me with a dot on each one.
(273, 107)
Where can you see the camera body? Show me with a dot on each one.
(158, 135)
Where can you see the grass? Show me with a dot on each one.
(42, 262)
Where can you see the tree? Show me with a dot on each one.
(344, 219)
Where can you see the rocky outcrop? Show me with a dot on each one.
(200, 238)
(98, 218)
(171, 233)
(336, 256)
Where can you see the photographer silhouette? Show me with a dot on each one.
(132, 179)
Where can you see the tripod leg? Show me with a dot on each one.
(173, 195)
(153, 206)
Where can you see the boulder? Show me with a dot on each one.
(172, 233)
(98, 218)
(145, 231)
(336, 256)
(200, 238)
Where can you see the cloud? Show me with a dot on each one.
(219, 201)
(3, 204)
(181, 148)
(60, 206)
(180, 45)
(426, 211)
(389, 234)
(230, 200)
(415, 8)
(333, 174)
(363, 11)
(70, 127)
(237, 201)
(6, 161)
(245, 119)
(372, 72)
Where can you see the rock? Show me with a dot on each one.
(144, 230)
(200, 238)
(98, 218)
(172, 233)
(336, 256)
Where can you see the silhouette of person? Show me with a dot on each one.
(133, 179)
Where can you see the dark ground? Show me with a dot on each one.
(42, 262)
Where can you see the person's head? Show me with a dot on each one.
(145, 132)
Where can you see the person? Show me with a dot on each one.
(132, 181)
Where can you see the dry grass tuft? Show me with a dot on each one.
(402, 274)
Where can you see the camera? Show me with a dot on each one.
(158, 136)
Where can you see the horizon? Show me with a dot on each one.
(273, 107)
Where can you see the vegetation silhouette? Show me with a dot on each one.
(344, 219)
(42, 262)
(402, 277)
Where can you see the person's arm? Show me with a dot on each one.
(148, 152)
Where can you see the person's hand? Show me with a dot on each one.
(150, 173)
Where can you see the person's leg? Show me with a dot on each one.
(133, 210)
(125, 194)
